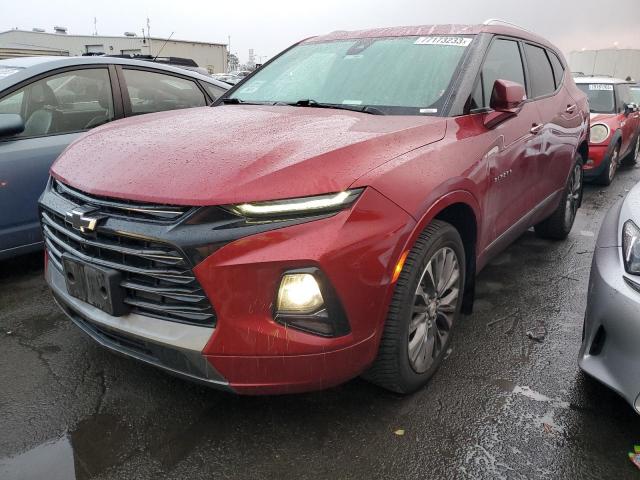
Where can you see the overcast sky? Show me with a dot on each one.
(269, 26)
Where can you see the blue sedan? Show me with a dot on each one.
(48, 102)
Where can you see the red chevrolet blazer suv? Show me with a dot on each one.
(325, 218)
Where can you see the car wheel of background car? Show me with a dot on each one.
(632, 158)
(424, 308)
(558, 225)
(608, 174)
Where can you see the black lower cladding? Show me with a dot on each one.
(191, 365)
(153, 247)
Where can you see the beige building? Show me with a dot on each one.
(20, 43)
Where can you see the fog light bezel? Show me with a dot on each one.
(330, 316)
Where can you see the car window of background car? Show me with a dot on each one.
(624, 97)
(68, 102)
(156, 92)
(601, 98)
(405, 72)
(503, 62)
(213, 90)
(635, 94)
(12, 103)
(540, 71)
(558, 69)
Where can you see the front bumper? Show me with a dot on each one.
(173, 347)
(609, 350)
(598, 161)
(248, 352)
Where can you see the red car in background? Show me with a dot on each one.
(615, 127)
(327, 217)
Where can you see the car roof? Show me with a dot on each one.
(32, 66)
(600, 79)
(498, 28)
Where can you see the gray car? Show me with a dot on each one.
(48, 102)
(610, 349)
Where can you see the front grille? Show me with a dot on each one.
(121, 208)
(156, 277)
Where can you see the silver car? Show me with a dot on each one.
(610, 349)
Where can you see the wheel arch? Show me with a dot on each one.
(461, 210)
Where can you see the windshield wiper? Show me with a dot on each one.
(237, 101)
(308, 102)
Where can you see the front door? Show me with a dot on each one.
(56, 110)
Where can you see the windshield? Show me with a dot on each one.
(396, 75)
(635, 94)
(601, 98)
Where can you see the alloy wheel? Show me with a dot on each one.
(613, 163)
(434, 309)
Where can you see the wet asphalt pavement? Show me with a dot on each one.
(504, 405)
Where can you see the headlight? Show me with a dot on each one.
(599, 133)
(295, 207)
(631, 247)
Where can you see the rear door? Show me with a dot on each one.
(513, 156)
(56, 108)
(147, 90)
(560, 115)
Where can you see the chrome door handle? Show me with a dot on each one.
(537, 128)
(571, 108)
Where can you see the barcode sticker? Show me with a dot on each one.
(449, 41)
(601, 86)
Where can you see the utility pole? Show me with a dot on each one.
(95, 27)
(149, 35)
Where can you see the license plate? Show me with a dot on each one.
(98, 286)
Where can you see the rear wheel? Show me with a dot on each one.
(424, 309)
(558, 225)
(608, 174)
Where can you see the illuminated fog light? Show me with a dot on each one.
(299, 293)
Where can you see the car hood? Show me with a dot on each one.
(603, 118)
(238, 153)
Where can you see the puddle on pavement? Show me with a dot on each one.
(97, 443)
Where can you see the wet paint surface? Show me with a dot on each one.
(503, 406)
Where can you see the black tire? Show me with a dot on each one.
(632, 156)
(608, 174)
(559, 224)
(393, 368)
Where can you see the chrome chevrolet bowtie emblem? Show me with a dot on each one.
(80, 220)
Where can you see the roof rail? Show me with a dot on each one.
(497, 21)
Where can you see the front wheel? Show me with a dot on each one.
(423, 311)
(559, 224)
(608, 174)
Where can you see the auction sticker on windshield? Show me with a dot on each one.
(450, 41)
(601, 86)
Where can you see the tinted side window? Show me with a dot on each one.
(68, 102)
(624, 97)
(503, 61)
(156, 92)
(213, 90)
(540, 71)
(558, 69)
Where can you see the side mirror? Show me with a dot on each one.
(10, 124)
(630, 108)
(506, 102)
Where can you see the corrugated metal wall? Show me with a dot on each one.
(619, 63)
